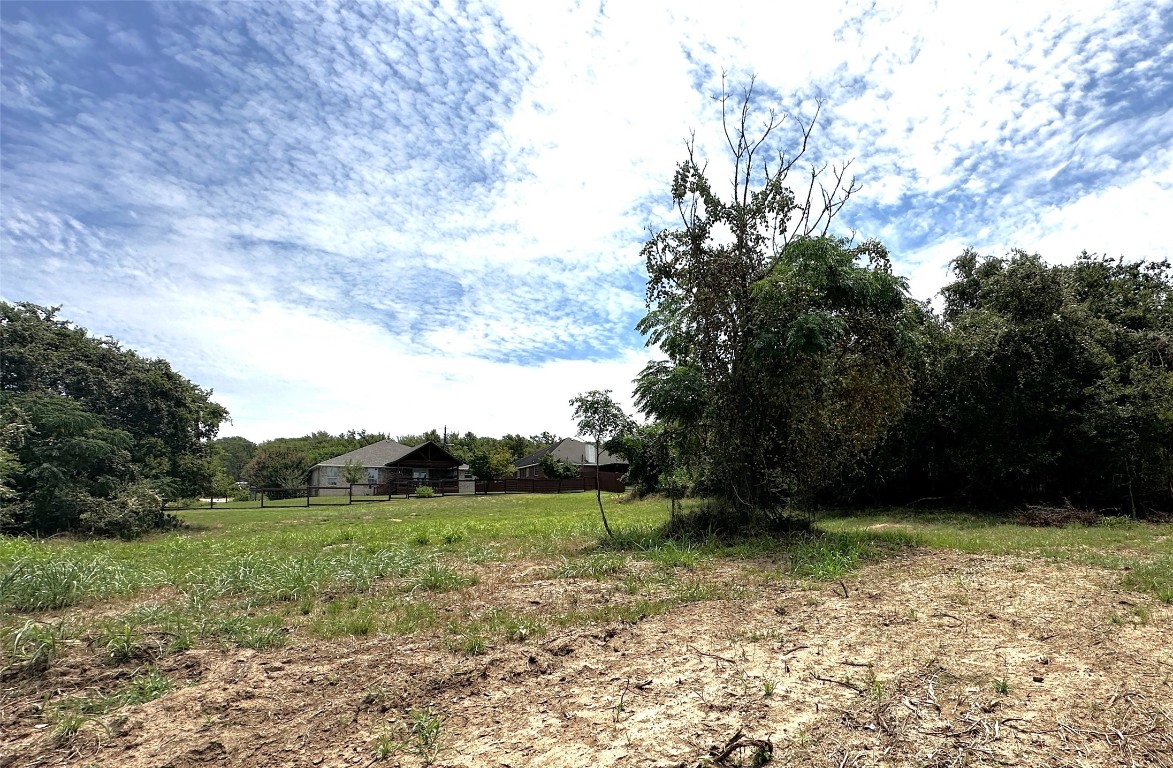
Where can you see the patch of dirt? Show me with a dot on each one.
(930, 659)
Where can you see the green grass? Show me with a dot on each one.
(34, 645)
(70, 715)
(474, 634)
(1142, 552)
(251, 577)
(1154, 576)
(593, 566)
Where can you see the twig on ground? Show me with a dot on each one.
(844, 683)
(738, 741)
(712, 655)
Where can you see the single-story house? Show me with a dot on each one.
(392, 467)
(576, 452)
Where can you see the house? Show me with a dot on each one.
(392, 467)
(609, 467)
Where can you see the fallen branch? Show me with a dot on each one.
(738, 741)
(844, 683)
(712, 655)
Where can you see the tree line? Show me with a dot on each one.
(798, 370)
(285, 462)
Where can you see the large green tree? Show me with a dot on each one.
(1043, 383)
(278, 466)
(786, 348)
(170, 420)
(232, 454)
(68, 471)
(490, 463)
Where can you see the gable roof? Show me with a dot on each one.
(566, 449)
(379, 454)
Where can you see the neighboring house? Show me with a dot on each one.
(388, 463)
(576, 452)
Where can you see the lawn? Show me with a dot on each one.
(386, 615)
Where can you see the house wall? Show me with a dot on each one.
(320, 477)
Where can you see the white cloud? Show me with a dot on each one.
(394, 216)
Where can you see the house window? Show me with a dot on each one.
(589, 456)
(331, 475)
(419, 474)
(372, 475)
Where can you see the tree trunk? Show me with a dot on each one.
(599, 493)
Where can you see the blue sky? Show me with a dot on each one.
(400, 216)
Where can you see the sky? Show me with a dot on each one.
(410, 215)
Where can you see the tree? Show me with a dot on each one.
(1043, 384)
(488, 464)
(557, 469)
(67, 467)
(170, 420)
(519, 445)
(786, 347)
(601, 418)
(353, 472)
(321, 445)
(278, 466)
(232, 454)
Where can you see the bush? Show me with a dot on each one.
(424, 492)
(134, 511)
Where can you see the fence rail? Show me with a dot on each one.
(534, 485)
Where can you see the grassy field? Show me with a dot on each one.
(444, 569)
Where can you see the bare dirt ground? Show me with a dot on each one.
(927, 659)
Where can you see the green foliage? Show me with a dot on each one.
(557, 469)
(134, 511)
(278, 466)
(73, 472)
(319, 446)
(787, 349)
(465, 446)
(647, 448)
(354, 472)
(91, 432)
(34, 645)
(1043, 384)
(232, 454)
(776, 385)
(425, 492)
(169, 420)
(600, 417)
(121, 640)
(490, 463)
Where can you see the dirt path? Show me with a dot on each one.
(931, 659)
